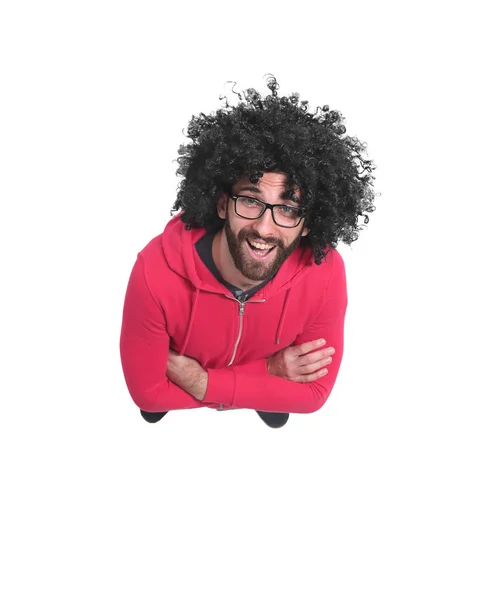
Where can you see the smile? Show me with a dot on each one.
(261, 252)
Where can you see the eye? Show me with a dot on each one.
(248, 201)
(288, 210)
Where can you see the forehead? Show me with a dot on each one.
(269, 182)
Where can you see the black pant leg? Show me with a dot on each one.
(272, 419)
(153, 417)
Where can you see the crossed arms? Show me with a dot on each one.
(289, 381)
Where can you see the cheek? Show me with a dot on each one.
(235, 229)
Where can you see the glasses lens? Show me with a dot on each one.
(287, 216)
(250, 208)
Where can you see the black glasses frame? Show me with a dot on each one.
(267, 205)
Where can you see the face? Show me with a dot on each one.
(270, 188)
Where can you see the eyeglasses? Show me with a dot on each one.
(283, 215)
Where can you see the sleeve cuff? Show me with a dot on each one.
(222, 382)
(221, 386)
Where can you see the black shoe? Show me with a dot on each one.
(153, 417)
(274, 420)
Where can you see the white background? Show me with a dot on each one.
(388, 490)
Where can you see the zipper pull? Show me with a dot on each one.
(241, 308)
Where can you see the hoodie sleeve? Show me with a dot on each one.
(251, 386)
(144, 345)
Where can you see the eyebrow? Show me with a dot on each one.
(256, 190)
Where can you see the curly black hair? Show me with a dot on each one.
(278, 134)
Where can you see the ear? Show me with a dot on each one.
(305, 232)
(222, 205)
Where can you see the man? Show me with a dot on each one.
(244, 305)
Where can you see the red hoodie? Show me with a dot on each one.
(174, 300)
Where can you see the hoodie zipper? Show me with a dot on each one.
(242, 305)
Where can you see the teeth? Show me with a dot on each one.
(260, 246)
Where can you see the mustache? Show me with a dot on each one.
(259, 241)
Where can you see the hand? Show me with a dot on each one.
(300, 363)
(187, 373)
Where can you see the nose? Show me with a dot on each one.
(265, 226)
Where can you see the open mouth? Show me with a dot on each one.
(259, 252)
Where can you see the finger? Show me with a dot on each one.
(311, 377)
(314, 367)
(308, 347)
(318, 375)
(315, 357)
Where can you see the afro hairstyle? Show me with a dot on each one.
(281, 135)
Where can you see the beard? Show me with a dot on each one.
(252, 269)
